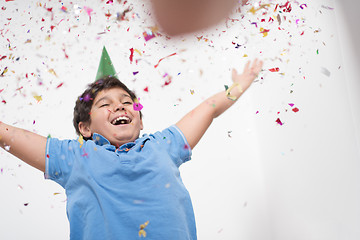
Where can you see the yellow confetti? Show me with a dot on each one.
(142, 231)
(81, 140)
(52, 71)
(262, 30)
(138, 51)
(245, 55)
(253, 10)
(56, 193)
(192, 92)
(38, 98)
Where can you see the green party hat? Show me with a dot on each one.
(106, 67)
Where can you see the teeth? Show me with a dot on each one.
(123, 118)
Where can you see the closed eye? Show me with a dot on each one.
(104, 105)
(127, 102)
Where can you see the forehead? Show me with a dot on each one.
(111, 92)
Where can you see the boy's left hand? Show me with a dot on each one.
(249, 74)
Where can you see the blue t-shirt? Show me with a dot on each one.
(124, 193)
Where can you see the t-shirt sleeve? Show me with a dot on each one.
(174, 141)
(60, 155)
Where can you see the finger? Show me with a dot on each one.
(255, 63)
(234, 74)
(246, 68)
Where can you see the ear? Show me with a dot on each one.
(84, 129)
(141, 125)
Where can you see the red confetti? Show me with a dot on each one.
(274, 69)
(60, 85)
(131, 54)
(2, 58)
(295, 109)
(146, 89)
(66, 56)
(52, 27)
(163, 59)
(279, 121)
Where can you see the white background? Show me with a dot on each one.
(249, 178)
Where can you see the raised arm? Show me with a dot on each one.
(195, 123)
(28, 146)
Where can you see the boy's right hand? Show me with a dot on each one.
(28, 146)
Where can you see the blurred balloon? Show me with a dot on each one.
(184, 16)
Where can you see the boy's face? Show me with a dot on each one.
(113, 116)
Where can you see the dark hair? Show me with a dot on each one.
(85, 101)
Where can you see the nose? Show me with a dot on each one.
(119, 107)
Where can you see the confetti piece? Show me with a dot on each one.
(229, 134)
(302, 6)
(38, 98)
(134, 73)
(192, 92)
(137, 105)
(295, 109)
(60, 85)
(163, 59)
(26, 204)
(274, 69)
(56, 193)
(88, 10)
(64, 9)
(146, 89)
(142, 232)
(81, 140)
(279, 121)
(326, 7)
(86, 98)
(131, 55)
(148, 35)
(291, 104)
(5, 71)
(52, 71)
(325, 72)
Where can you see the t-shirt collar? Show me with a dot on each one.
(102, 141)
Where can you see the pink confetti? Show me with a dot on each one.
(88, 11)
(148, 35)
(137, 106)
(291, 104)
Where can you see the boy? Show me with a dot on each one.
(120, 185)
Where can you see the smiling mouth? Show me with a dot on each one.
(121, 121)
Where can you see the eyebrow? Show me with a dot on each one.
(107, 98)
